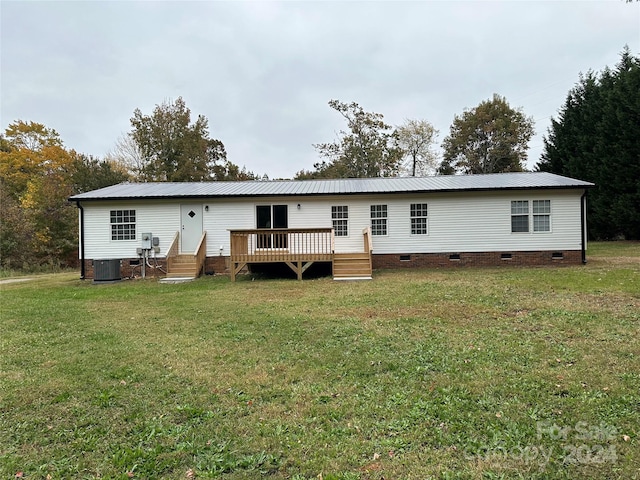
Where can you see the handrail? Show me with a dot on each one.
(368, 244)
(172, 252)
(200, 253)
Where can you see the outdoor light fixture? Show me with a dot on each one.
(206, 208)
(298, 206)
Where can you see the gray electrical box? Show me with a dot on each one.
(146, 241)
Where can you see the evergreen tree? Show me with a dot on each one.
(596, 137)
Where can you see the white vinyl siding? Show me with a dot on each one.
(458, 222)
(160, 218)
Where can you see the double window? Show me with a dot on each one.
(123, 224)
(378, 219)
(537, 219)
(340, 219)
(418, 218)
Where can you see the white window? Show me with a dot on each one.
(340, 219)
(378, 219)
(418, 219)
(520, 216)
(542, 215)
(536, 219)
(123, 224)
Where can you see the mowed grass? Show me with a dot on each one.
(481, 373)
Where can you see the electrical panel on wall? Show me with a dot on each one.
(146, 241)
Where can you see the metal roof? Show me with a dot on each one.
(343, 186)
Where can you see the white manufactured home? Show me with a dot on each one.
(356, 225)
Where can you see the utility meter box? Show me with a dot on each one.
(146, 241)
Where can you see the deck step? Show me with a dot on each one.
(352, 266)
(182, 266)
(191, 274)
(183, 258)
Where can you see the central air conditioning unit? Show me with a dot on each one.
(107, 270)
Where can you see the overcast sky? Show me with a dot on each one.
(263, 72)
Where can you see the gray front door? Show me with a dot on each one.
(191, 217)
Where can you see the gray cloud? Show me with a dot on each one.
(263, 72)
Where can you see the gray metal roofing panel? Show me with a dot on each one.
(500, 181)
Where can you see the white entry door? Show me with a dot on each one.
(191, 217)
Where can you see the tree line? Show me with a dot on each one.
(39, 227)
(489, 138)
(595, 137)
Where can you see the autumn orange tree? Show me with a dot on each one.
(38, 226)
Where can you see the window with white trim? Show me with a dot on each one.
(378, 219)
(418, 218)
(519, 216)
(542, 215)
(536, 219)
(340, 219)
(123, 224)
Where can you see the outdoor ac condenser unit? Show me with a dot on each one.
(106, 270)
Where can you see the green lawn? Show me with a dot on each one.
(444, 374)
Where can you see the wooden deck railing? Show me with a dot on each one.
(297, 247)
(281, 245)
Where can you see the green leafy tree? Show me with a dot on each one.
(89, 173)
(490, 138)
(417, 138)
(53, 218)
(174, 149)
(368, 149)
(596, 137)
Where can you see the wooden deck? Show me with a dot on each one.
(298, 248)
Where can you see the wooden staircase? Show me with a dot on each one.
(352, 266)
(183, 266)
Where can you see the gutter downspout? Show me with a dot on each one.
(583, 225)
(82, 270)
